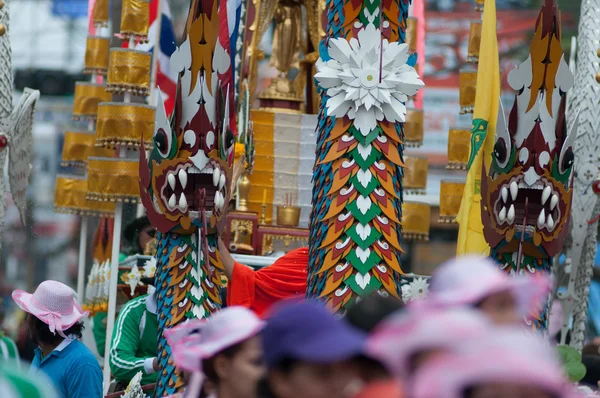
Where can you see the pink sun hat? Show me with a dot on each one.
(200, 339)
(469, 279)
(506, 355)
(398, 338)
(52, 303)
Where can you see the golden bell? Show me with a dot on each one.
(415, 174)
(467, 86)
(598, 77)
(413, 128)
(474, 42)
(598, 52)
(416, 220)
(451, 193)
(288, 216)
(459, 144)
(411, 34)
(1, 4)
(2, 30)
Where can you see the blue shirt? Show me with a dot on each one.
(72, 368)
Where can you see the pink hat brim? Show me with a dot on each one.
(27, 303)
(529, 292)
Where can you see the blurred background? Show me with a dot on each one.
(48, 42)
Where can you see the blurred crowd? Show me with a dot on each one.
(477, 334)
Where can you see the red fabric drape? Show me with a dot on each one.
(259, 290)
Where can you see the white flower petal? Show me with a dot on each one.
(365, 121)
(337, 106)
(340, 50)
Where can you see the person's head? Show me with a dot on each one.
(307, 352)
(225, 348)
(476, 281)
(365, 315)
(41, 334)
(408, 341)
(53, 312)
(506, 362)
(136, 236)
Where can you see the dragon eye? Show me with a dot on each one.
(500, 151)
(567, 160)
(162, 142)
(229, 139)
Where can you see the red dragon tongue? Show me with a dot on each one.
(201, 198)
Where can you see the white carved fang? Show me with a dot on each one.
(541, 221)
(502, 215)
(511, 214)
(171, 179)
(504, 193)
(172, 201)
(183, 178)
(222, 181)
(514, 190)
(553, 201)
(183, 203)
(546, 194)
(216, 176)
(550, 222)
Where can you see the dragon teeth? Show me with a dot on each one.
(222, 181)
(502, 215)
(514, 190)
(504, 193)
(510, 216)
(550, 222)
(541, 221)
(546, 194)
(216, 176)
(183, 203)
(183, 178)
(171, 179)
(553, 201)
(172, 201)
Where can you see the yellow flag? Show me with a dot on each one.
(485, 113)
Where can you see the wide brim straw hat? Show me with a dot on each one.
(506, 355)
(399, 337)
(467, 280)
(52, 303)
(196, 340)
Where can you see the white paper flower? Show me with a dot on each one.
(150, 268)
(366, 84)
(133, 278)
(416, 290)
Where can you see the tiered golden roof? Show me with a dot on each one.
(467, 81)
(129, 71)
(78, 146)
(416, 219)
(135, 15)
(415, 174)
(70, 198)
(474, 41)
(87, 98)
(96, 55)
(451, 193)
(113, 180)
(459, 143)
(122, 124)
(413, 128)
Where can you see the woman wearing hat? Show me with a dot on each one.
(476, 281)
(55, 324)
(221, 355)
(504, 363)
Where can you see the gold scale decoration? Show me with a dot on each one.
(415, 215)
(459, 138)
(121, 125)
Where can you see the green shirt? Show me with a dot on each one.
(8, 350)
(134, 343)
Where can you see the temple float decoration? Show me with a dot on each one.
(580, 245)
(365, 77)
(527, 191)
(185, 182)
(16, 124)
